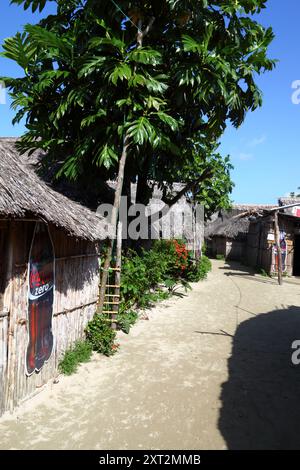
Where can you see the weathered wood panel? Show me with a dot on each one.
(3, 358)
(4, 309)
(76, 291)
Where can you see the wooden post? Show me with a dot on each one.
(118, 274)
(278, 246)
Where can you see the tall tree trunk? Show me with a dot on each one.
(114, 224)
(116, 208)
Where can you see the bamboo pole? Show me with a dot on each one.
(278, 246)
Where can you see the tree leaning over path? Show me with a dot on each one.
(139, 89)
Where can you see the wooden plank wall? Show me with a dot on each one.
(74, 305)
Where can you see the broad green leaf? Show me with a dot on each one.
(121, 72)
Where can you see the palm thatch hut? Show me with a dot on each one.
(228, 238)
(227, 234)
(261, 246)
(49, 274)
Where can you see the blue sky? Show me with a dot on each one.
(265, 149)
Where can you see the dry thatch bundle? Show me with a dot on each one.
(232, 227)
(23, 194)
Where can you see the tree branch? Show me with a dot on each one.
(208, 173)
(205, 175)
(142, 34)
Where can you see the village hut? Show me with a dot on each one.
(227, 238)
(226, 234)
(261, 243)
(49, 275)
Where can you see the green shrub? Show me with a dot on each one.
(79, 353)
(168, 263)
(127, 320)
(142, 274)
(199, 271)
(204, 267)
(263, 273)
(220, 257)
(101, 336)
(173, 286)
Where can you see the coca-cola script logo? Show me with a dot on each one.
(39, 285)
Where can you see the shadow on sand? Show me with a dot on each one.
(237, 269)
(261, 399)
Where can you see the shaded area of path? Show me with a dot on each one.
(211, 370)
(260, 399)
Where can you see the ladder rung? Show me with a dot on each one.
(111, 303)
(110, 311)
(111, 285)
(111, 269)
(112, 295)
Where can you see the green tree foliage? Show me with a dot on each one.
(168, 74)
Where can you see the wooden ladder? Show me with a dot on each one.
(112, 294)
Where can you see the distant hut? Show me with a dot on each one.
(228, 238)
(226, 235)
(49, 272)
(261, 246)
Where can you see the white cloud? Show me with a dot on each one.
(245, 157)
(257, 141)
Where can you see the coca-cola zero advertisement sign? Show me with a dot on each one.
(41, 279)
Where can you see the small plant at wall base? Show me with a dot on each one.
(263, 273)
(220, 257)
(126, 320)
(101, 336)
(79, 353)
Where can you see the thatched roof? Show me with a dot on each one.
(286, 201)
(251, 207)
(235, 222)
(233, 227)
(24, 194)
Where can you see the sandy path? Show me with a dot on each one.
(194, 376)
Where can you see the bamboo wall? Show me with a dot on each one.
(76, 287)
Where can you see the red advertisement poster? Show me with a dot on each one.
(40, 299)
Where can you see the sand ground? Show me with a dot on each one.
(212, 370)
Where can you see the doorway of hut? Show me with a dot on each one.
(296, 266)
